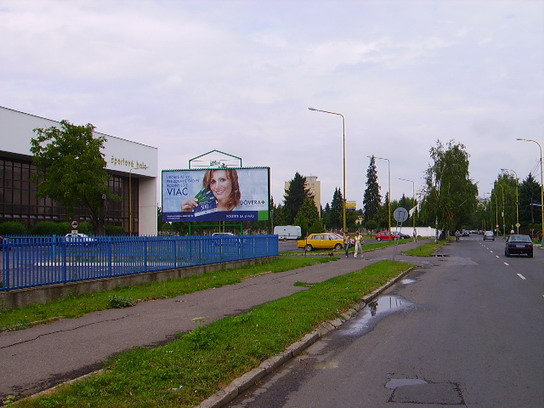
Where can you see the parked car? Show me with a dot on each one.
(79, 238)
(518, 244)
(402, 235)
(386, 236)
(324, 240)
(488, 235)
(222, 234)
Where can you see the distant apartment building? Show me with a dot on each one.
(313, 185)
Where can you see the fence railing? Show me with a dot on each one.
(37, 261)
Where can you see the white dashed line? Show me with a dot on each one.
(521, 276)
(497, 256)
(506, 264)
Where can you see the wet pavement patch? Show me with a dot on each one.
(375, 311)
(417, 391)
(408, 281)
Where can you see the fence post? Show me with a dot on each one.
(5, 265)
(110, 255)
(64, 261)
(175, 242)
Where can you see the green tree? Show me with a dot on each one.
(504, 195)
(335, 213)
(308, 217)
(529, 195)
(72, 171)
(371, 198)
(294, 197)
(450, 196)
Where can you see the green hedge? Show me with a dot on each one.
(13, 228)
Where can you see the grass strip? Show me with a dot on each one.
(76, 306)
(198, 364)
(426, 250)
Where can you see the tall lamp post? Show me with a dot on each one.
(541, 185)
(517, 198)
(503, 222)
(413, 198)
(344, 227)
(389, 188)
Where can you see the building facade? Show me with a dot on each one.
(133, 176)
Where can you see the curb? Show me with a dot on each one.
(239, 385)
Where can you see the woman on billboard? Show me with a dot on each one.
(221, 185)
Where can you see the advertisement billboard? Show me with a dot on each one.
(224, 194)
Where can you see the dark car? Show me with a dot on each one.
(517, 244)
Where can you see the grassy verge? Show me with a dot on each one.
(188, 370)
(13, 319)
(427, 249)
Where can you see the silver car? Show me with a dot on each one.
(488, 235)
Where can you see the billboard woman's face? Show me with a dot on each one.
(221, 186)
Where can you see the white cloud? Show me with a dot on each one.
(192, 76)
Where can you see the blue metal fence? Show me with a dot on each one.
(37, 261)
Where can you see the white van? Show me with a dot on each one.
(287, 231)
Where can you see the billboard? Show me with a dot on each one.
(221, 194)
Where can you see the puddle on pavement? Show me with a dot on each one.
(375, 311)
(407, 281)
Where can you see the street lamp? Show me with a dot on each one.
(541, 185)
(344, 227)
(413, 198)
(517, 198)
(389, 187)
(503, 222)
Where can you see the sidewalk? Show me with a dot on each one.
(41, 357)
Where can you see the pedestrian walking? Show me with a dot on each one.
(358, 238)
(347, 243)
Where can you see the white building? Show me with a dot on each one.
(132, 166)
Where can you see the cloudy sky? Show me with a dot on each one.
(238, 76)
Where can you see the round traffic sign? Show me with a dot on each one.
(400, 214)
(75, 224)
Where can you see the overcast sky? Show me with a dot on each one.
(238, 76)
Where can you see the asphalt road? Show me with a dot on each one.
(465, 330)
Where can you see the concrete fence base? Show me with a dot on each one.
(42, 294)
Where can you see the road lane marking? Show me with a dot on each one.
(521, 276)
(497, 256)
(506, 264)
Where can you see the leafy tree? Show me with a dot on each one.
(529, 195)
(308, 216)
(71, 169)
(294, 197)
(450, 196)
(504, 195)
(325, 215)
(372, 198)
(335, 213)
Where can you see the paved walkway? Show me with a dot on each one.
(40, 357)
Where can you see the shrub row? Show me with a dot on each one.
(53, 228)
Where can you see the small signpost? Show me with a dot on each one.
(75, 226)
(400, 215)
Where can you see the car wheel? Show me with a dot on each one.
(506, 254)
(308, 248)
(378, 239)
(338, 246)
(530, 255)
